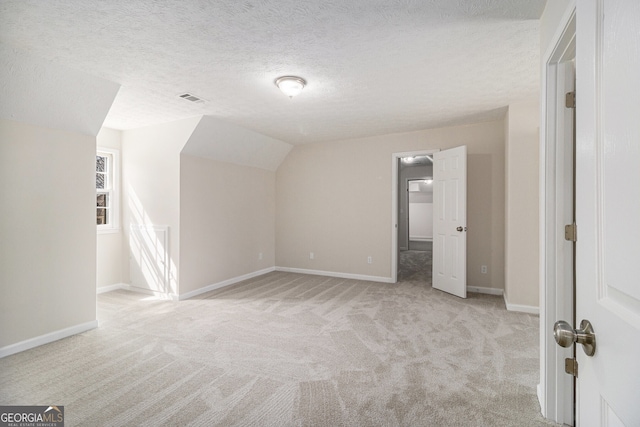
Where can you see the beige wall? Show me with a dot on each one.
(151, 184)
(109, 245)
(47, 230)
(227, 218)
(334, 199)
(522, 204)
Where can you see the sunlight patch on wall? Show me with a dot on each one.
(151, 267)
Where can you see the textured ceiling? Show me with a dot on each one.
(373, 66)
(37, 92)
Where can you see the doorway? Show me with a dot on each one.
(415, 261)
(419, 210)
(412, 216)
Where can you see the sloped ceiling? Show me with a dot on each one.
(373, 66)
(226, 142)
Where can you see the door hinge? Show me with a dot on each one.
(571, 366)
(571, 232)
(570, 100)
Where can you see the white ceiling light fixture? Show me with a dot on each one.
(290, 85)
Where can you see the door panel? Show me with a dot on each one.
(455, 263)
(438, 262)
(450, 199)
(608, 209)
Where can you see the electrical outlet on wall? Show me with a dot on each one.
(369, 260)
(483, 269)
(260, 256)
(311, 255)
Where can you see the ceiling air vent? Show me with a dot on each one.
(191, 98)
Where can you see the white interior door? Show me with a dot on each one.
(608, 209)
(450, 221)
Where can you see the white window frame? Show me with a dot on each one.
(112, 188)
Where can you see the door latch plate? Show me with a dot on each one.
(570, 100)
(571, 366)
(570, 232)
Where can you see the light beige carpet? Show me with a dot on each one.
(287, 349)
(415, 266)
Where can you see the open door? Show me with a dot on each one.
(607, 214)
(450, 221)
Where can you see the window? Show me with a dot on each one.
(107, 218)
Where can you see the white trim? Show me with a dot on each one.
(131, 288)
(539, 392)
(563, 25)
(521, 308)
(336, 274)
(156, 294)
(554, 394)
(47, 338)
(488, 291)
(114, 200)
(109, 230)
(109, 288)
(224, 283)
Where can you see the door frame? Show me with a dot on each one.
(555, 391)
(395, 179)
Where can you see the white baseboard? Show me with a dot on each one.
(47, 338)
(540, 400)
(481, 290)
(521, 308)
(224, 283)
(156, 294)
(128, 287)
(109, 288)
(335, 274)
